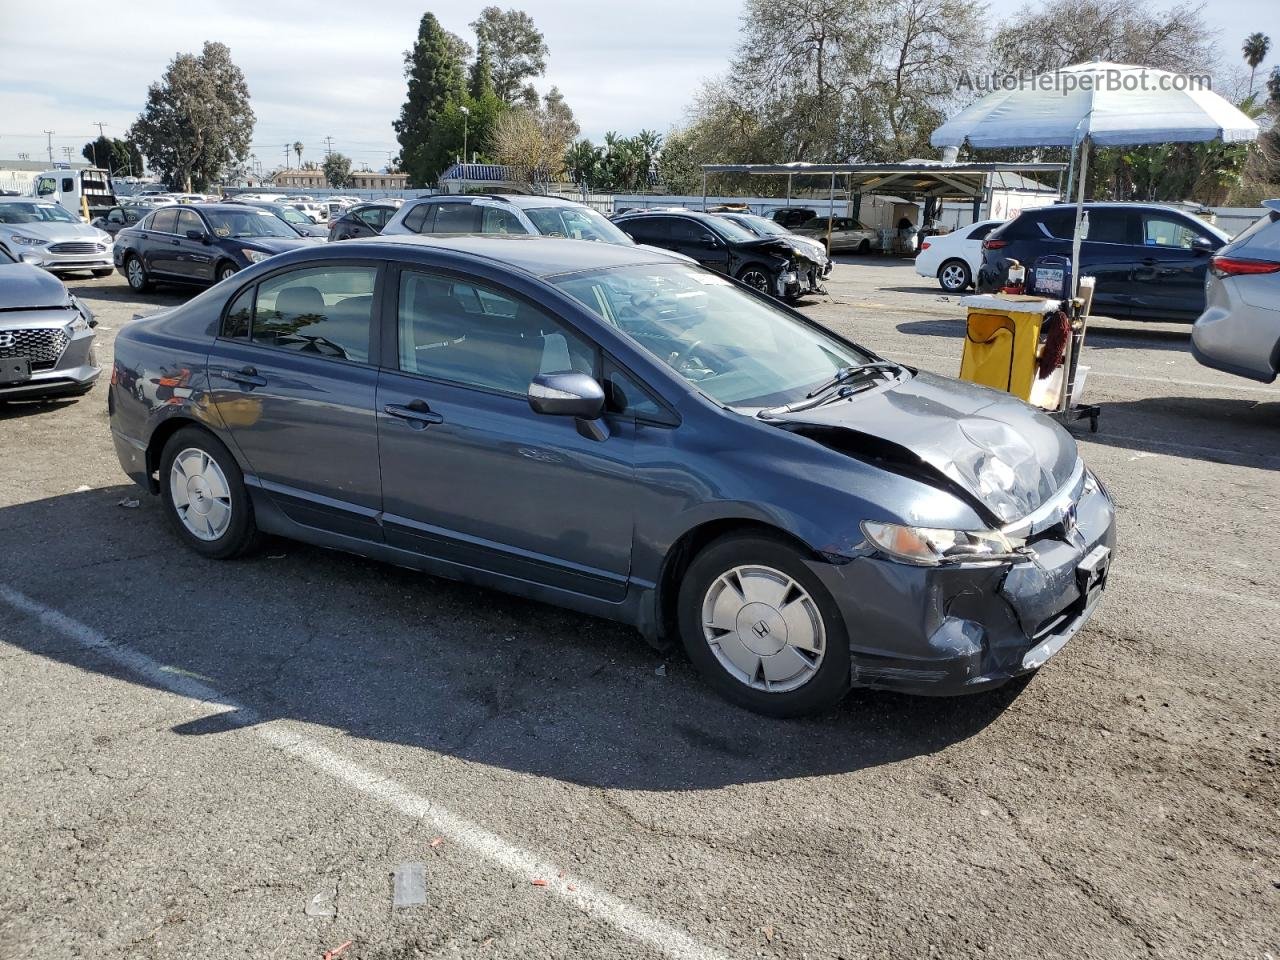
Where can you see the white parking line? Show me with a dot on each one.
(604, 907)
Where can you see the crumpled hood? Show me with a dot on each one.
(1006, 454)
(781, 246)
(27, 287)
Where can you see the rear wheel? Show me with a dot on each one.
(954, 276)
(761, 627)
(136, 274)
(204, 495)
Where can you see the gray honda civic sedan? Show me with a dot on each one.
(604, 428)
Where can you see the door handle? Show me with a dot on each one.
(419, 415)
(245, 376)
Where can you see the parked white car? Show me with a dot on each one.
(318, 213)
(953, 259)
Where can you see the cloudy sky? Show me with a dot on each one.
(320, 68)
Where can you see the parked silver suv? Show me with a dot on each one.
(505, 213)
(1239, 331)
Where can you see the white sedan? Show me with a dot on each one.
(954, 258)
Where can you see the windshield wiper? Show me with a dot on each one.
(848, 373)
(817, 396)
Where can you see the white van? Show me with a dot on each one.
(88, 193)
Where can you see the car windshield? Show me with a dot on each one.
(34, 213)
(290, 215)
(247, 223)
(762, 227)
(577, 223)
(731, 231)
(737, 348)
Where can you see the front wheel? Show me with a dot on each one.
(204, 495)
(954, 276)
(755, 276)
(226, 270)
(761, 627)
(864, 247)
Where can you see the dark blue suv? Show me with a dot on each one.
(1149, 260)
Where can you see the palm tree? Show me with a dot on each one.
(1255, 48)
(297, 148)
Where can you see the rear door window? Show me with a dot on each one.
(1112, 226)
(165, 221)
(457, 218)
(980, 232)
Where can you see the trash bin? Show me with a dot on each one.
(1002, 333)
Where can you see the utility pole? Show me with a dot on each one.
(101, 136)
(288, 148)
(328, 146)
(49, 134)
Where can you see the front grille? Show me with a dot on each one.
(41, 347)
(76, 247)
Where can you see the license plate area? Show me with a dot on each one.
(1091, 573)
(14, 370)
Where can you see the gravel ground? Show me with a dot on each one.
(195, 750)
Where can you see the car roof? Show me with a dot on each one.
(524, 201)
(539, 256)
(1272, 205)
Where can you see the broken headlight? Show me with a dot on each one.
(931, 547)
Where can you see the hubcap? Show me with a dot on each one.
(953, 277)
(764, 628)
(201, 494)
(226, 272)
(754, 278)
(135, 272)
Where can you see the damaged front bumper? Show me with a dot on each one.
(963, 628)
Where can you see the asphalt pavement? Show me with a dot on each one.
(209, 759)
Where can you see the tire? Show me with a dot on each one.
(103, 273)
(757, 277)
(864, 248)
(225, 270)
(136, 274)
(954, 276)
(805, 681)
(219, 536)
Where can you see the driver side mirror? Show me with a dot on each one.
(1203, 245)
(198, 235)
(570, 395)
(709, 241)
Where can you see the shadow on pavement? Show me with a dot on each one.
(17, 409)
(1243, 433)
(388, 655)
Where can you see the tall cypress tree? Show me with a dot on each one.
(480, 85)
(436, 78)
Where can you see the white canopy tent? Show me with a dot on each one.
(1108, 104)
